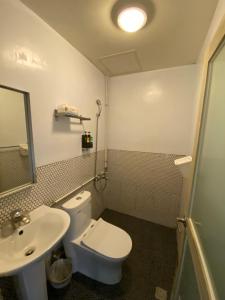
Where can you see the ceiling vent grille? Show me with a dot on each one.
(121, 63)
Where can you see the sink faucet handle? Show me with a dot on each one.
(26, 217)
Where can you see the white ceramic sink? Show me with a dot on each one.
(28, 245)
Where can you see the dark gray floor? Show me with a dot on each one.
(151, 263)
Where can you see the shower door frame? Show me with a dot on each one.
(204, 281)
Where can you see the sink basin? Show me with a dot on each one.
(32, 241)
(28, 245)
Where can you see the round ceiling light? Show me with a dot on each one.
(132, 19)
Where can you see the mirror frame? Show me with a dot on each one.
(29, 141)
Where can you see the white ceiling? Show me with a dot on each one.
(173, 37)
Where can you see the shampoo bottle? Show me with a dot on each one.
(84, 140)
(89, 140)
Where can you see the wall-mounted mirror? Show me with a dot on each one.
(17, 168)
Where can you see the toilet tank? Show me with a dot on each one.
(79, 209)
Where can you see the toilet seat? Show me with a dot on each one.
(107, 240)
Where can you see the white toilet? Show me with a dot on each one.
(97, 248)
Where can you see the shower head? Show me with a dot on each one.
(98, 102)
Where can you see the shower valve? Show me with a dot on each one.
(100, 176)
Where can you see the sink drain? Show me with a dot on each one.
(29, 251)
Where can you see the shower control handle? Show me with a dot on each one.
(182, 220)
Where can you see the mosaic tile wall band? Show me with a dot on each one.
(53, 182)
(144, 185)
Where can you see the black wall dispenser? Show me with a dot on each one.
(87, 140)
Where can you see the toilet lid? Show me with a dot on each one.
(108, 240)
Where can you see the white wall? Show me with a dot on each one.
(12, 119)
(34, 58)
(153, 111)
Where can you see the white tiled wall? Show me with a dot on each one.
(150, 123)
(145, 185)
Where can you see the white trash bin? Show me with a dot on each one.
(60, 273)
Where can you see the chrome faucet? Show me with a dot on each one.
(19, 218)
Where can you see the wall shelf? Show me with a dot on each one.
(70, 115)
